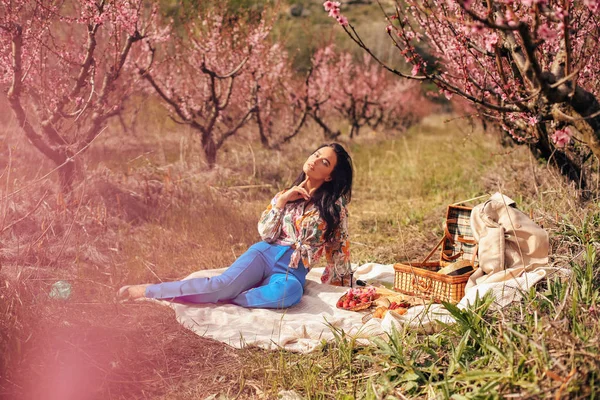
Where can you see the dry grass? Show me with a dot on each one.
(94, 349)
(165, 216)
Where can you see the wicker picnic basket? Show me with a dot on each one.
(421, 278)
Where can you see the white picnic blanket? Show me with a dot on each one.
(305, 326)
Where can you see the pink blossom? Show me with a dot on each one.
(490, 41)
(342, 20)
(476, 27)
(561, 137)
(334, 12)
(545, 33)
(529, 3)
(448, 94)
(330, 5)
(477, 74)
(593, 5)
(388, 28)
(509, 18)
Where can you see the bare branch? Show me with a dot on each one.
(115, 71)
(567, 37)
(305, 109)
(172, 118)
(230, 74)
(356, 38)
(175, 106)
(83, 74)
(26, 215)
(14, 99)
(565, 79)
(531, 57)
(233, 130)
(489, 22)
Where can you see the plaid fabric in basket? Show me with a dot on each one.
(459, 228)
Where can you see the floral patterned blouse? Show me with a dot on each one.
(299, 224)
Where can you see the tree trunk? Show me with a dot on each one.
(567, 167)
(66, 174)
(261, 129)
(354, 130)
(210, 151)
(587, 106)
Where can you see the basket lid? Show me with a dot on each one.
(458, 242)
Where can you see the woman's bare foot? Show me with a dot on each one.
(133, 292)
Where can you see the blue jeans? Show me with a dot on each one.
(259, 278)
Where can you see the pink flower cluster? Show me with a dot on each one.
(593, 5)
(561, 137)
(490, 41)
(334, 11)
(530, 3)
(546, 33)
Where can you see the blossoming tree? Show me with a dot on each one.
(63, 65)
(280, 99)
(210, 78)
(360, 92)
(529, 65)
(367, 96)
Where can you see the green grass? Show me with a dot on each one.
(318, 29)
(540, 348)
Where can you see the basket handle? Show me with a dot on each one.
(447, 233)
(448, 236)
(461, 239)
(452, 258)
(423, 285)
(434, 249)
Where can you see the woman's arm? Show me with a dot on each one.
(337, 253)
(269, 225)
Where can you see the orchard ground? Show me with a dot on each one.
(164, 216)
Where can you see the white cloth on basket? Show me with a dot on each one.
(512, 255)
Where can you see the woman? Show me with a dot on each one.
(300, 225)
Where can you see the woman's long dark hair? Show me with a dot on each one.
(329, 192)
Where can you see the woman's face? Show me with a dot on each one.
(320, 164)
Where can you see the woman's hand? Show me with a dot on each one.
(294, 193)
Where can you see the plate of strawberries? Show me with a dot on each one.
(357, 299)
